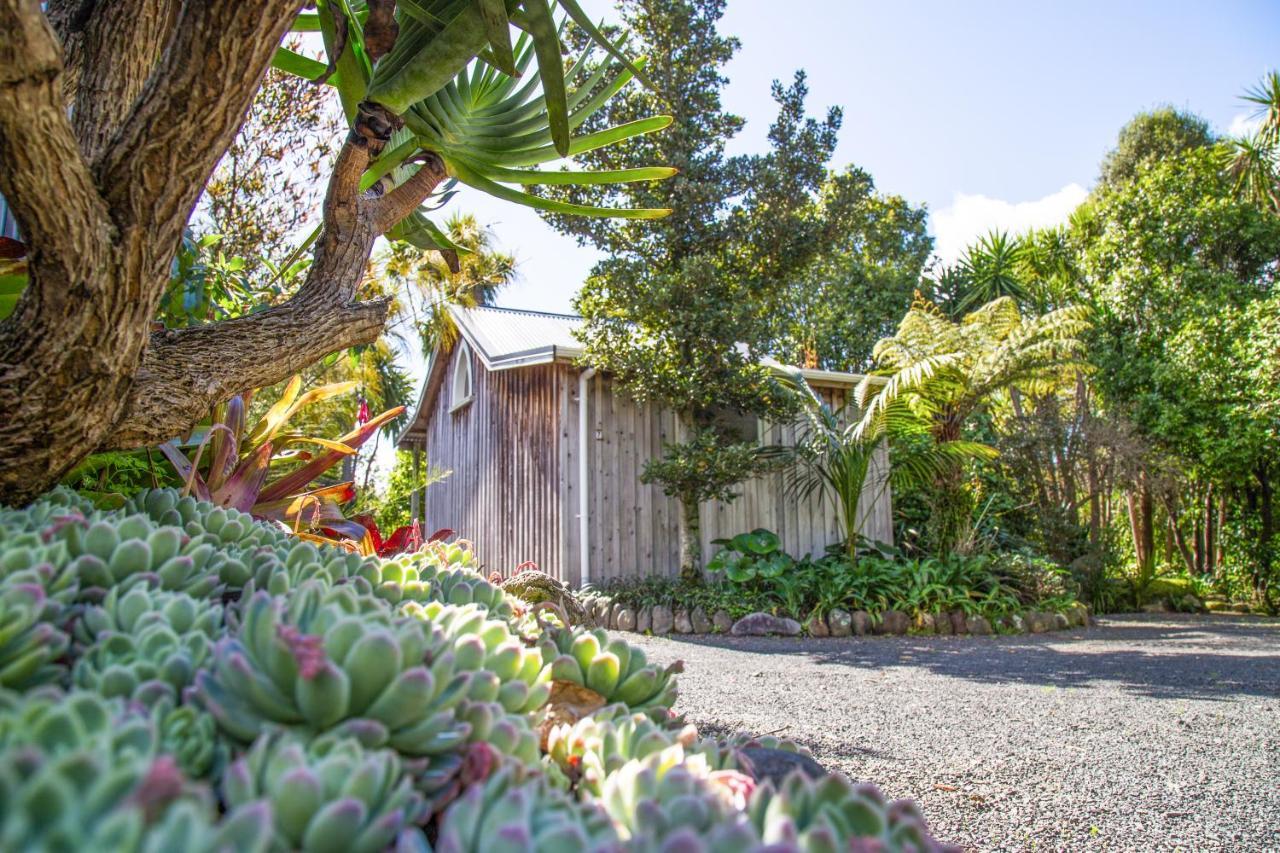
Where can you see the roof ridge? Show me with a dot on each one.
(502, 310)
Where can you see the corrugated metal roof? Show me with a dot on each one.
(506, 338)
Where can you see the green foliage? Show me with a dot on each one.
(613, 668)
(1149, 138)
(938, 373)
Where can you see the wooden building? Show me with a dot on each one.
(546, 460)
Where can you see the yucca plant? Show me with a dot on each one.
(267, 470)
(454, 84)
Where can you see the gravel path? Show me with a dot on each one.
(1144, 733)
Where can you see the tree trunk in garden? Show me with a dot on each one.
(1141, 524)
(690, 541)
(109, 129)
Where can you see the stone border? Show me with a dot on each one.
(603, 612)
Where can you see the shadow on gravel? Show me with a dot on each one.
(1166, 656)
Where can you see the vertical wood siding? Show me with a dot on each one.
(504, 451)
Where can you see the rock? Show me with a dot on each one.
(662, 620)
(978, 626)
(722, 622)
(893, 622)
(1160, 606)
(922, 623)
(614, 612)
(816, 625)
(701, 623)
(942, 623)
(535, 587)
(644, 617)
(626, 620)
(683, 624)
(1061, 622)
(601, 614)
(1190, 604)
(775, 765)
(1078, 615)
(840, 623)
(861, 622)
(763, 624)
(1037, 622)
(957, 622)
(1013, 623)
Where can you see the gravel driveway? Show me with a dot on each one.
(1143, 733)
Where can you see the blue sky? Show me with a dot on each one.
(990, 113)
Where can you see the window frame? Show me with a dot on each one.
(463, 364)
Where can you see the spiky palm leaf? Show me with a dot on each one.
(1253, 162)
(454, 75)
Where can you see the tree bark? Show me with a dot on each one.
(690, 541)
(159, 90)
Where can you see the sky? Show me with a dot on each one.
(991, 114)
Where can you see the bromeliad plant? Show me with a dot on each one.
(265, 469)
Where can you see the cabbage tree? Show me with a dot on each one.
(112, 117)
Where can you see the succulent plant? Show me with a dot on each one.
(334, 660)
(515, 811)
(185, 827)
(674, 794)
(613, 668)
(153, 663)
(503, 669)
(135, 610)
(587, 751)
(30, 647)
(331, 794)
(833, 813)
(52, 722)
(191, 736)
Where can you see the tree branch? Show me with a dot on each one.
(156, 166)
(44, 178)
(406, 198)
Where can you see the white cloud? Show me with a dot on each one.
(971, 216)
(1244, 124)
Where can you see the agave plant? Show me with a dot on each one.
(262, 471)
(448, 75)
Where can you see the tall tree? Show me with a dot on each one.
(855, 292)
(1182, 275)
(680, 315)
(114, 115)
(1150, 137)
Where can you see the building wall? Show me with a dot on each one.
(502, 451)
(635, 528)
(514, 493)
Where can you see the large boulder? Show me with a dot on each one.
(662, 619)
(763, 624)
(683, 624)
(942, 623)
(614, 613)
(626, 619)
(644, 620)
(958, 625)
(840, 623)
(701, 622)
(535, 587)
(1079, 615)
(722, 622)
(1037, 622)
(1061, 622)
(923, 623)
(603, 606)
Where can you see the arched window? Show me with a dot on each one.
(463, 381)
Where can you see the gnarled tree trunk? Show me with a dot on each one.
(112, 117)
